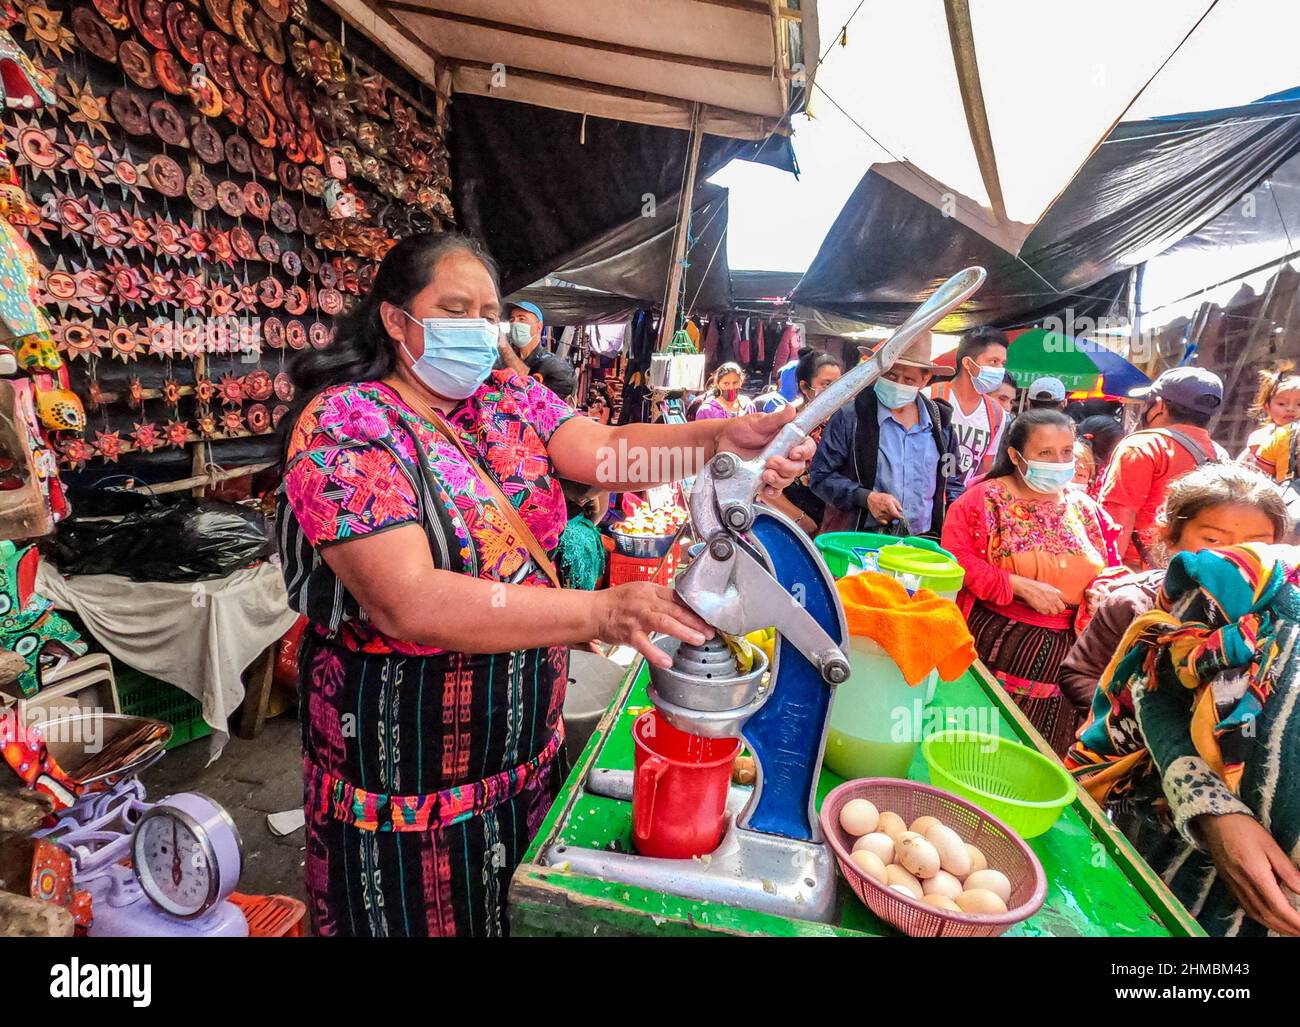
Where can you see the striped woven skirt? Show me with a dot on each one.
(1026, 660)
(425, 780)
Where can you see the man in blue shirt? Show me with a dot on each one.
(888, 462)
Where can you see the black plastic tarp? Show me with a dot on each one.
(1148, 185)
(635, 258)
(540, 187)
(562, 305)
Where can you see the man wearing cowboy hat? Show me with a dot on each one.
(888, 461)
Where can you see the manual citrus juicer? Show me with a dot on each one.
(757, 570)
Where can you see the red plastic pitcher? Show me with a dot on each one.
(679, 791)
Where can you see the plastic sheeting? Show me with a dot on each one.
(1147, 187)
(540, 187)
(635, 258)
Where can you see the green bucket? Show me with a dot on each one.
(922, 568)
(844, 549)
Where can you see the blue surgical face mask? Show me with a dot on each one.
(989, 379)
(459, 353)
(894, 395)
(521, 334)
(1048, 478)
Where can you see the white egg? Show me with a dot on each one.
(942, 902)
(989, 880)
(879, 843)
(953, 856)
(896, 876)
(921, 825)
(917, 856)
(891, 824)
(902, 889)
(942, 883)
(977, 860)
(980, 900)
(859, 817)
(870, 864)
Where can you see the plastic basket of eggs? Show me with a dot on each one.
(929, 863)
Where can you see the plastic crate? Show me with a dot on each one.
(143, 696)
(623, 569)
(272, 916)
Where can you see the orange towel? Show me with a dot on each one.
(921, 632)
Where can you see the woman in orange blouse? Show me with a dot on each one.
(1031, 543)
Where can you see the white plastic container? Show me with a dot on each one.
(876, 717)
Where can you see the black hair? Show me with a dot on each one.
(1180, 414)
(1009, 379)
(362, 350)
(813, 360)
(1018, 431)
(977, 340)
(1102, 432)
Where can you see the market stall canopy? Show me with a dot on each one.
(988, 108)
(571, 305)
(633, 259)
(627, 268)
(621, 59)
(1149, 185)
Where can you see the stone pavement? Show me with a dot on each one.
(251, 779)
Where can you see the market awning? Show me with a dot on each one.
(988, 108)
(622, 59)
(1150, 184)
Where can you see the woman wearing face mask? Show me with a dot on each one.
(724, 399)
(420, 505)
(1030, 546)
(815, 371)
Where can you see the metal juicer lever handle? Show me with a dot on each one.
(954, 291)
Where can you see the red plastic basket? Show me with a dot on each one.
(272, 916)
(1004, 850)
(623, 569)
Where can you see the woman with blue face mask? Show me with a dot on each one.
(1031, 543)
(420, 506)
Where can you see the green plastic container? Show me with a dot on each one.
(922, 568)
(1018, 785)
(843, 549)
(143, 696)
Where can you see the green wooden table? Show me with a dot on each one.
(1097, 884)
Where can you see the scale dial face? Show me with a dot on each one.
(175, 852)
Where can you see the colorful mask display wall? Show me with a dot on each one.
(192, 191)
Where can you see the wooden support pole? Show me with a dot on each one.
(668, 324)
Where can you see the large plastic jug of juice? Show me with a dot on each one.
(876, 716)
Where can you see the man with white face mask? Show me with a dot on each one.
(886, 462)
(523, 351)
(977, 417)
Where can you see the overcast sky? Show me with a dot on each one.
(1030, 51)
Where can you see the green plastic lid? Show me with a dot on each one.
(936, 572)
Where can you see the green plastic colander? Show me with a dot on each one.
(1019, 786)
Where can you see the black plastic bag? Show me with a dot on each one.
(190, 540)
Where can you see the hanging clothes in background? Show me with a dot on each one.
(788, 348)
(710, 345)
(744, 347)
(608, 339)
(640, 343)
(760, 344)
